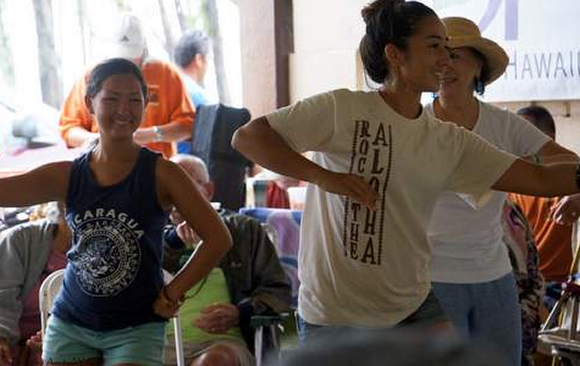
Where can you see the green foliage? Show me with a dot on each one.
(123, 5)
(197, 16)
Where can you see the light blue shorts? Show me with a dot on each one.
(68, 343)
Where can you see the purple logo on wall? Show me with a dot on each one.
(511, 17)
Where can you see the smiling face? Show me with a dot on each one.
(422, 63)
(459, 77)
(118, 106)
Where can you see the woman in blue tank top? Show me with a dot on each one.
(113, 303)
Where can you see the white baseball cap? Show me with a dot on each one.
(127, 38)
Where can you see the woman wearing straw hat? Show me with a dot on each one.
(471, 271)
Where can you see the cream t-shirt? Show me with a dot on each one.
(370, 268)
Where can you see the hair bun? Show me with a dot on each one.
(370, 11)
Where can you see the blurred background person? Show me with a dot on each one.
(553, 237)
(28, 254)
(191, 55)
(169, 114)
(401, 347)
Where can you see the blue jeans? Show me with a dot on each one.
(488, 311)
(429, 313)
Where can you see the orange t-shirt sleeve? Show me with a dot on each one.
(168, 101)
(74, 112)
(180, 108)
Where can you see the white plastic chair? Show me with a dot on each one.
(51, 286)
(46, 295)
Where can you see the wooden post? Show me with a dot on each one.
(266, 43)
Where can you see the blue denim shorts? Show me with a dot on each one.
(68, 343)
(428, 314)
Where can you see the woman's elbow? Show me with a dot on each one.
(237, 139)
(252, 134)
(226, 242)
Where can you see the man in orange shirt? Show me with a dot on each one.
(553, 238)
(169, 114)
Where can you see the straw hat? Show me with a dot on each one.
(462, 32)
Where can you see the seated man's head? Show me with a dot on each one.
(197, 171)
(190, 54)
(541, 118)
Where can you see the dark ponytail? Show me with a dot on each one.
(388, 21)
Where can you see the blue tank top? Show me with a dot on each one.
(114, 269)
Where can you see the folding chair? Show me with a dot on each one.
(267, 334)
(51, 286)
(283, 227)
(560, 331)
(559, 335)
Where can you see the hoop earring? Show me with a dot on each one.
(479, 86)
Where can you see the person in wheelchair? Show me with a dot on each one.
(250, 280)
(29, 252)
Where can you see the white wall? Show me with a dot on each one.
(326, 37)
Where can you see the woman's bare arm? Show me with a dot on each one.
(46, 183)
(180, 191)
(264, 146)
(553, 152)
(547, 180)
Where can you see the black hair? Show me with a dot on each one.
(388, 21)
(113, 66)
(539, 117)
(192, 42)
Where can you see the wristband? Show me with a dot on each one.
(168, 300)
(158, 134)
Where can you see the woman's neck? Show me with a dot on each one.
(462, 109)
(404, 101)
(115, 152)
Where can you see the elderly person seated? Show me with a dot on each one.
(249, 280)
(28, 254)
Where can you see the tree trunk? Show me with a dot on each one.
(7, 65)
(166, 28)
(211, 10)
(180, 15)
(48, 59)
(84, 37)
